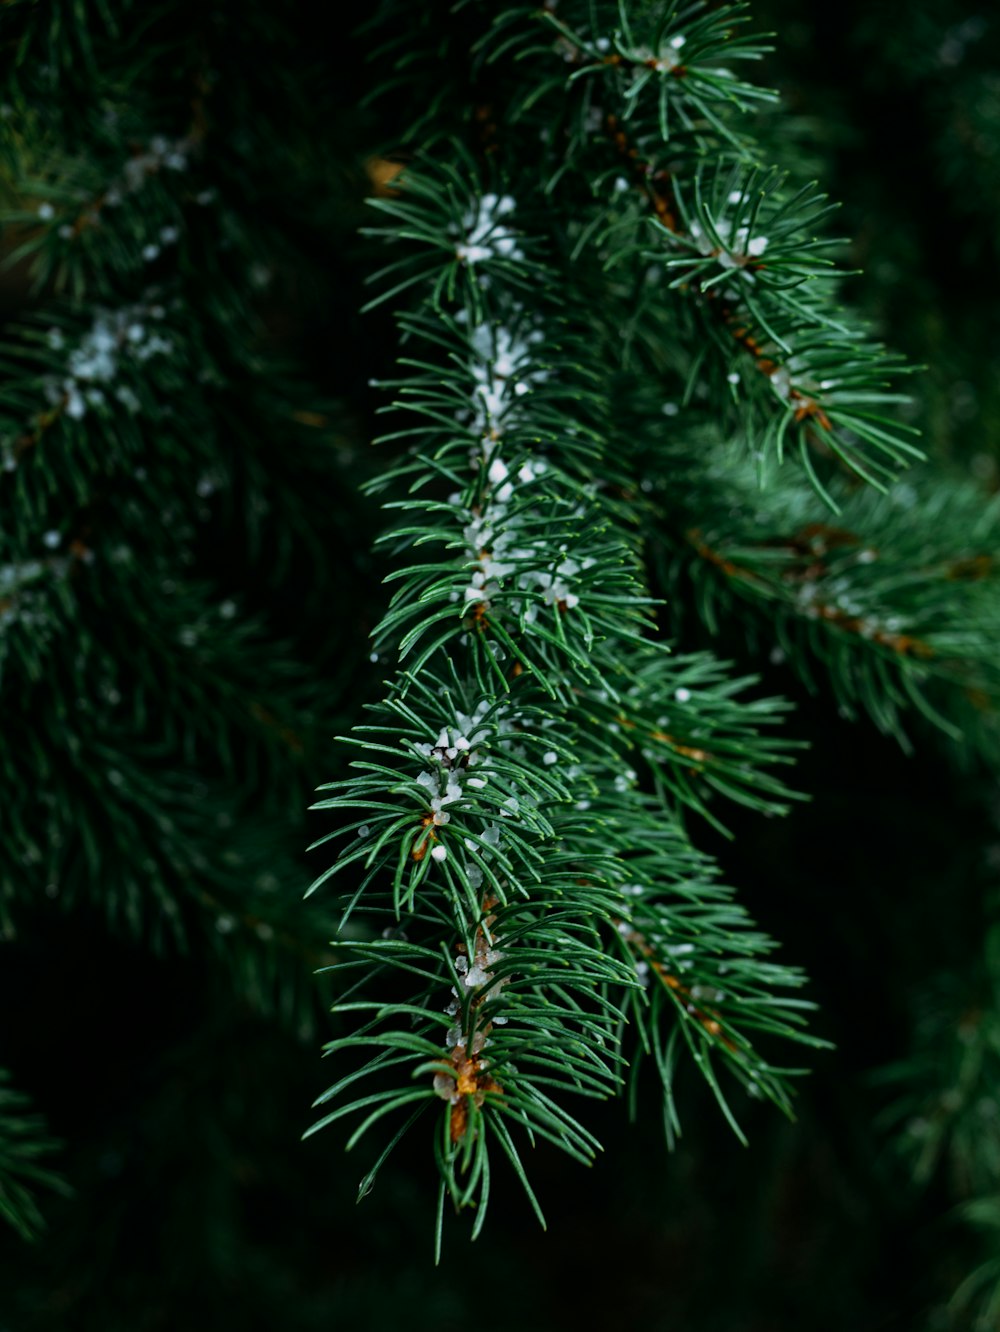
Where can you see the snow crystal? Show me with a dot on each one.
(486, 235)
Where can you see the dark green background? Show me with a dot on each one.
(181, 1107)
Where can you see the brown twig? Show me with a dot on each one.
(709, 1018)
(904, 644)
(468, 1079)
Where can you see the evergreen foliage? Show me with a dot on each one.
(641, 476)
(22, 1143)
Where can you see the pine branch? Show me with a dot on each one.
(495, 812)
(796, 369)
(894, 605)
(23, 1144)
(160, 727)
(942, 1108)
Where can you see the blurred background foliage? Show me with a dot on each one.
(169, 1028)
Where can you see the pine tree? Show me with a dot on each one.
(640, 475)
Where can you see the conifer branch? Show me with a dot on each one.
(797, 370)
(496, 818)
(895, 604)
(24, 1143)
